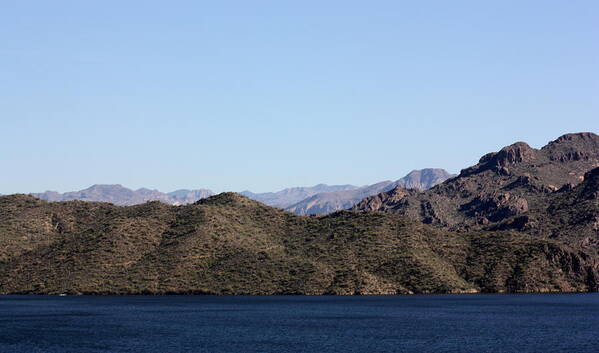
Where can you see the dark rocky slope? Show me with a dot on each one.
(229, 244)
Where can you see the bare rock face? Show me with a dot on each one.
(385, 199)
(501, 162)
(519, 152)
(494, 208)
(520, 206)
(574, 147)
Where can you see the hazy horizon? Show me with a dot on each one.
(262, 96)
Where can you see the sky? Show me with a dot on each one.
(263, 95)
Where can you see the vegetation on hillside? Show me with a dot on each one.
(229, 244)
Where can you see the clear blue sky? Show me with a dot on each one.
(261, 95)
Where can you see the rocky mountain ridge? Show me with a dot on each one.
(518, 187)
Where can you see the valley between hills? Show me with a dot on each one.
(521, 220)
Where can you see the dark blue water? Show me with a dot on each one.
(428, 323)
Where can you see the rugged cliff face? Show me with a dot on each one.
(229, 244)
(546, 192)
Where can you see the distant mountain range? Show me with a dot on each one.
(290, 196)
(327, 202)
(320, 198)
(122, 196)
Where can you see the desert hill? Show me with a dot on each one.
(229, 244)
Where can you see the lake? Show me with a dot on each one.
(418, 323)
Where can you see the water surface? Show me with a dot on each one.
(419, 323)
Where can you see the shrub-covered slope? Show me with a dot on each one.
(229, 244)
